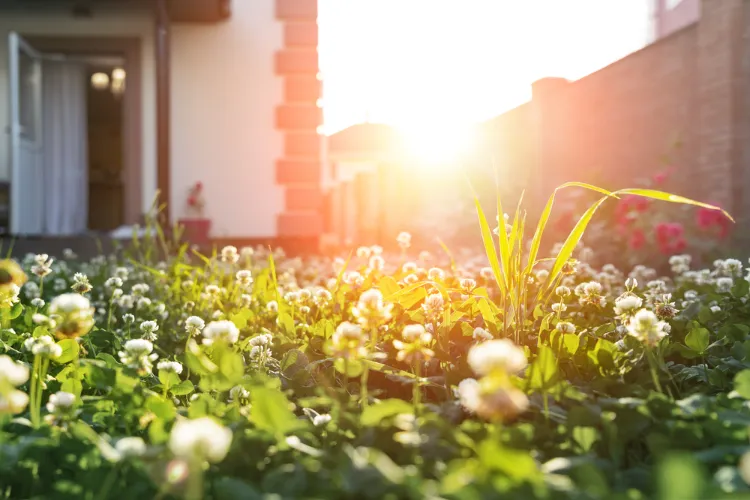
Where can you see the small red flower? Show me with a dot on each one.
(192, 201)
(637, 239)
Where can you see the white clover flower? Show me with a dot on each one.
(715, 309)
(631, 283)
(61, 402)
(200, 439)
(142, 302)
(347, 342)
(646, 327)
(140, 289)
(376, 263)
(433, 306)
(223, 330)
(272, 307)
(409, 267)
(137, 355)
(37, 302)
(11, 372)
(481, 334)
(122, 273)
(322, 419)
(724, 285)
(238, 393)
(130, 447)
(493, 403)
(229, 254)
(404, 240)
(169, 366)
(194, 324)
(44, 346)
(13, 402)
(436, 274)
(81, 283)
(149, 329)
(9, 295)
(261, 340)
(244, 278)
(370, 310)
(565, 327)
(559, 307)
(126, 302)
(128, 318)
(363, 253)
(113, 282)
(627, 303)
(562, 291)
(495, 355)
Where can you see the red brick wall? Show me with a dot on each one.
(614, 125)
(299, 117)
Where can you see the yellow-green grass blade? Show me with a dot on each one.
(570, 243)
(672, 198)
(489, 246)
(544, 218)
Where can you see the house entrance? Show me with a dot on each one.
(66, 132)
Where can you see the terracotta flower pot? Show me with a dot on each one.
(196, 231)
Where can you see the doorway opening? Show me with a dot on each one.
(75, 162)
(106, 79)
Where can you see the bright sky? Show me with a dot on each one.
(420, 62)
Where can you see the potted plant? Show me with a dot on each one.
(195, 226)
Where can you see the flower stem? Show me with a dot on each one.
(33, 394)
(653, 369)
(417, 394)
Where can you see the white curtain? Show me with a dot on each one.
(65, 146)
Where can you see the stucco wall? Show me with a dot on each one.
(224, 94)
(105, 21)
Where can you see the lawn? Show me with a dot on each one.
(250, 374)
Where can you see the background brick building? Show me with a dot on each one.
(618, 124)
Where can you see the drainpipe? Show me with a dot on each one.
(162, 107)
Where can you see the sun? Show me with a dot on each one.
(439, 145)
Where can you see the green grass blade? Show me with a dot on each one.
(544, 218)
(489, 245)
(672, 198)
(570, 244)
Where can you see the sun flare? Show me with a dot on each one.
(439, 144)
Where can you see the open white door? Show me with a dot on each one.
(26, 182)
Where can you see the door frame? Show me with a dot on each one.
(132, 142)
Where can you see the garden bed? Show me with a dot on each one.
(401, 376)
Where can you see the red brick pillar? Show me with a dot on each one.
(299, 117)
(720, 93)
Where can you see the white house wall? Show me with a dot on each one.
(109, 21)
(224, 93)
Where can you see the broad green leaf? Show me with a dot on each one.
(70, 349)
(680, 477)
(271, 411)
(742, 383)
(388, 286)
(571, 341)
(182, 389)
(168, 378)
(161, 407)
(585, 437)
(697, 340)
(373, 414)
(544, 370)
(240, 319)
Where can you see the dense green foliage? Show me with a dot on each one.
(319, 388)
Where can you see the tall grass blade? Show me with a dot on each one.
(489, 245)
